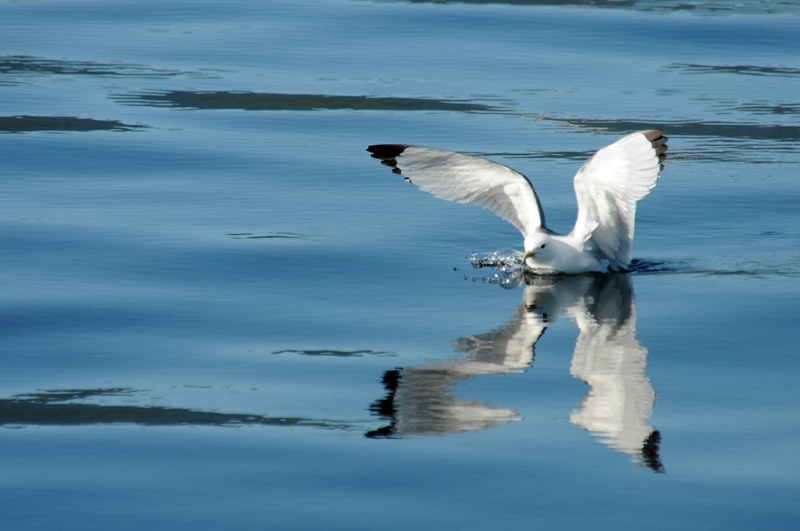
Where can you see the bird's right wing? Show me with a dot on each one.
(467, 179)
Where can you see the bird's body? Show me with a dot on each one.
(560, 255)
(607, 187)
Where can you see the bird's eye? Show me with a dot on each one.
(542, 247)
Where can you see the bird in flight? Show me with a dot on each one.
(607, 187)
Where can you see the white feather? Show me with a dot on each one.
(467, 179)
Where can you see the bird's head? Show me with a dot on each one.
(538, 250)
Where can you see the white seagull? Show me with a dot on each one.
(607, 186)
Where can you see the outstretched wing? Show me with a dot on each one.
(608, 187)
(467, 179)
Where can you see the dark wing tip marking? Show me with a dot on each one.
(387, 151)
(659, 143)
(653, 134)
(388, 154)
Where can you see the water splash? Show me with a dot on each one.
(507, 264)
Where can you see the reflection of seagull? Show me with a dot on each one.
(607, 356)
(419, 401)
(607, 186)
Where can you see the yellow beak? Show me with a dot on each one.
(527, 255)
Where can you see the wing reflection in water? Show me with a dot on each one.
(608, 357)
(419, 401)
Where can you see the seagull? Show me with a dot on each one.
(607, 187)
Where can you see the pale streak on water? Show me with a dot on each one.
(219, 312)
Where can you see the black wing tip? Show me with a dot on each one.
(653, 134)
(387, 151)
(659, 143)
(650, 450)
(388, 154)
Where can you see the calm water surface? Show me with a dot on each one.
(217, 311)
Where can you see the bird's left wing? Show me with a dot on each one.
(608, 187)
(467, 179)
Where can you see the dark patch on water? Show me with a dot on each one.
(579, 3)
(338, 353)
(48, 408)
(714, 150)
(32, 124)
(747, 70)
(254, 101)
(30, 65)
(273, 236)
(743, 7)
(548, 155)
(767, 108)
(251, 236)
(63, 395)
(787, 133)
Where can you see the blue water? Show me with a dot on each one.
(217, 311)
